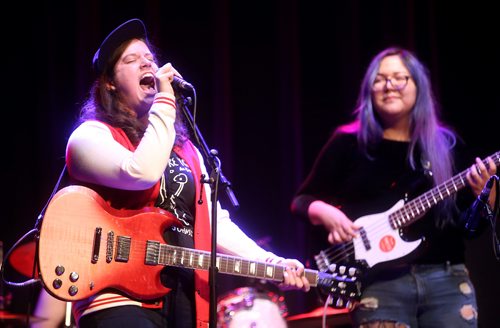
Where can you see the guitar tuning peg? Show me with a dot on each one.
(320, 262)
(339, 303)
(353, 272)
(342, 269)
(332, 267)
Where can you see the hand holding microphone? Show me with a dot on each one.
(175, 81)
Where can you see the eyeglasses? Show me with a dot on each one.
(398, 82)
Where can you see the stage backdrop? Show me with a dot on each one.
(272, 78)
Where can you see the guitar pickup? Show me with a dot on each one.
(365, 240)
(152, 252)
(122, 249)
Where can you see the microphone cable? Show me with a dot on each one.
(492, 217)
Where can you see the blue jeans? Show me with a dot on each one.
(439, 295)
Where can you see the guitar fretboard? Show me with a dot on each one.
(417, 207)
(169, 255)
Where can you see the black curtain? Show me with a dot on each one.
(273, 78)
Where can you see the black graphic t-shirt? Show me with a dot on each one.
(177, 193)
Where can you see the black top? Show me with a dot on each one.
(344, 177)
(177, 195)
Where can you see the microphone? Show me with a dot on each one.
(181, 84)
(474, 213)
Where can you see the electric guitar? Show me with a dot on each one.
(85, 246)
(380, 238)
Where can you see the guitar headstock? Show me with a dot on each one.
(342, 290)
(341, 285)
(338, 253)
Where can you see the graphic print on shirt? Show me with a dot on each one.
(177, 175)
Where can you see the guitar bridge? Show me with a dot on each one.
(97, 245)
(364, 238)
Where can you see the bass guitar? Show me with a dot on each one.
(85, 246)
(380, 238)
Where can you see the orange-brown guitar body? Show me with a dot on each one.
(68, 242)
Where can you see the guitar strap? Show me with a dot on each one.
(54, 191)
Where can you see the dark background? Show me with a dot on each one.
(273, 78)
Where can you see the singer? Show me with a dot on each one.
(397, 148)
(132, 147)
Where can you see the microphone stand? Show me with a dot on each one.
(492, 215)
(216, 179)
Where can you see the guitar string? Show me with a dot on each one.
(331, 252)
(79, 239)
(337, 253)
(441, 191)
(80, 245)
(140, 253)
(378, 227)
(396, 218)
(172, 255)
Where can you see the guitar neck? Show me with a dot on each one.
(416, 208)
(168, 255)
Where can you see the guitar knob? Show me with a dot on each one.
(73, 276)
(57, 283)
(59, 270)
(73, 290)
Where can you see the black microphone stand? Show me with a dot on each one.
(492, 215)
(216, 178)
